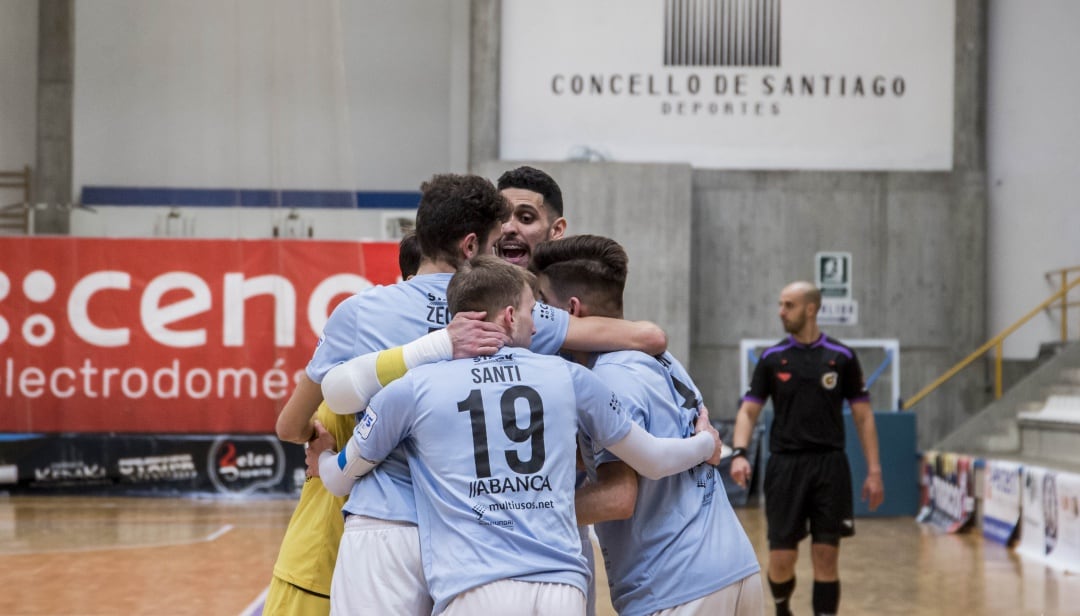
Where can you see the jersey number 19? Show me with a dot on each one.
(534, 432)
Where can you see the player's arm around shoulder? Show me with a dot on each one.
(608, 334)
(645, 384)
(613, 496)
(383, 425)
(295, 421)
(349, 386)
(604, 420)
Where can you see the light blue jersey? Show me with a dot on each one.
(491, 443)
(385, 317)
(684, 540)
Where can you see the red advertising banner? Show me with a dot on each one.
(165, 335)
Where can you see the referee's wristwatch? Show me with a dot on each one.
(738, 452)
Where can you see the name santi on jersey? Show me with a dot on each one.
(496, 374)
(509, 485)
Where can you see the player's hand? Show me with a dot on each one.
(320, 442)
(704, 425)
(740, 470)
(873, 490)
(472, 336)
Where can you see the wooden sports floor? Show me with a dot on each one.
(96, 555)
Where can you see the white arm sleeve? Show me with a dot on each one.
(429, 348)
(656, 458)
(348, 387)
(339, 471)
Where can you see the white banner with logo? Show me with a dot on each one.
(1050, 527)
(1033, 530)
(733, 84)
(1066, 554)
(1001, 500)
(948, 500)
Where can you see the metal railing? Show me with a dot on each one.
(1064, 303)
(15, 216)
(1059, 300)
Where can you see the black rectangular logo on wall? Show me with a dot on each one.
(721, 32)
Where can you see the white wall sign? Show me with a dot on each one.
(832, 274)
(838, 312)
(735, 84)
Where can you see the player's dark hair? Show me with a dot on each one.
(589, 267)
(531, 178)
(487, 284)
(408, 257)
(453, 206)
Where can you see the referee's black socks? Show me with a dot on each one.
(781, 592)
(826, 598)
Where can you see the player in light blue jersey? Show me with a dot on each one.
(491, 443)
(464, 215)
(458, 217)
(673, 544)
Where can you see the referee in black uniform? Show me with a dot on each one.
(808, 375)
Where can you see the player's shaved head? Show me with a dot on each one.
(806, 291)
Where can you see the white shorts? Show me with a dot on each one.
(514, 598)
(743, 598)
(590, 562)
(378, 570)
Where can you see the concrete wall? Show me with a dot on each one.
(647, 208)
(18, 88)
(917, 244)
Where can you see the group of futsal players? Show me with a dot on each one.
(446, 434)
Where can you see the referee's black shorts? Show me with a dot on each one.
(808, 489)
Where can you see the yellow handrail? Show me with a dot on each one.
(995, 343)
(1064, 273)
